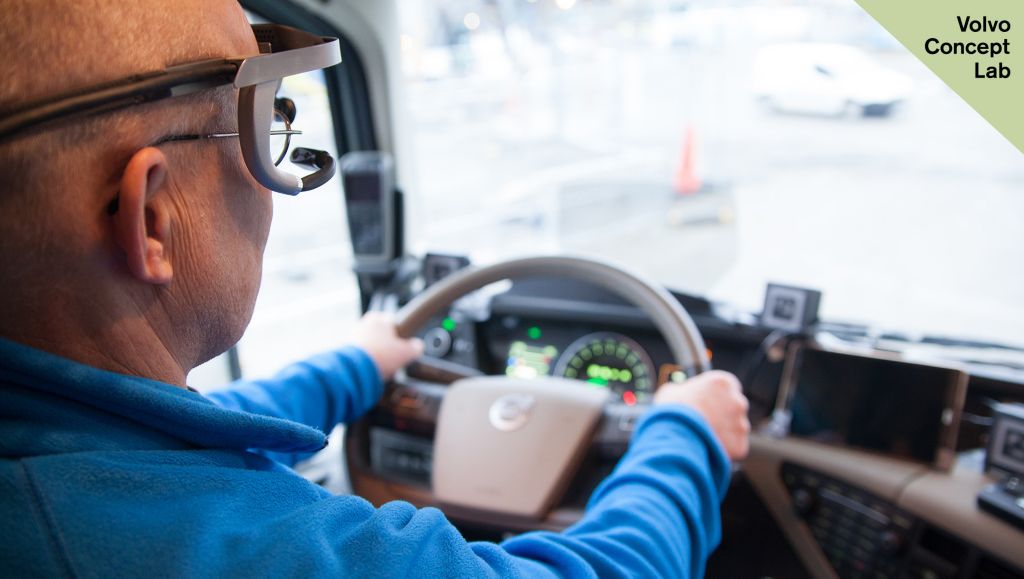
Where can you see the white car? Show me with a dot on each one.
(826, 79)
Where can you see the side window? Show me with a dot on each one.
(308, 298)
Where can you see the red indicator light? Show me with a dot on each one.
(629, 398)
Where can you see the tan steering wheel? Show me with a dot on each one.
(508, 445)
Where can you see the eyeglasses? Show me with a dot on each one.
(284, 51)
(281, 133)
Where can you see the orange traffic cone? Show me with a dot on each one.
(686, 181)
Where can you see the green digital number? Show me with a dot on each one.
(609, 374)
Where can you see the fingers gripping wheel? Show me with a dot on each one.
(511, 446)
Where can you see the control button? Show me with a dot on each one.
(437, 342)
(804, 502)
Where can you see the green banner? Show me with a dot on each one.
(976, 47)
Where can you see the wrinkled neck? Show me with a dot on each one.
(124, 335)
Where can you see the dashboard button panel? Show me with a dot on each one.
(860, 534)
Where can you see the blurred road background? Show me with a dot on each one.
(565, 126)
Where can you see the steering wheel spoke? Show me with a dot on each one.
(438, 371)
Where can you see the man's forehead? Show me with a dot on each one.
(62, 45)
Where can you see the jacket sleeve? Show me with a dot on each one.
(322, 392)
(656, 515)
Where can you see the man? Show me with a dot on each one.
(129, 257)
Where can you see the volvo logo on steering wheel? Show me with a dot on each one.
(511, 412)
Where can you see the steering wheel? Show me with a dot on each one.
(509, 446)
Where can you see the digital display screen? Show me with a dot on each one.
(365, 215)
(886, 406)
(530, 361)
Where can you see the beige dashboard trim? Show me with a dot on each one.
(946, 500)
(880, 476)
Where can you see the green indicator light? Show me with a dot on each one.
(448, 324)
(598, 382)
(533, 333)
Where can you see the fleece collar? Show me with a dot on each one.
(180, 413)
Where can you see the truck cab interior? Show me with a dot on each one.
(622, 193)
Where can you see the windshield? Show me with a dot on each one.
(715, 147)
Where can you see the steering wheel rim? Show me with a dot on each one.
(481, 463)
(675, 325)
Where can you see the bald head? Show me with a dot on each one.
(62, 45)
(173, 272)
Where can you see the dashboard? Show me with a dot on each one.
(564, 328)
(818, 496)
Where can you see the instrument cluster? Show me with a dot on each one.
(630, 365)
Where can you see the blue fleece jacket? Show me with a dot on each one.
(105, 475)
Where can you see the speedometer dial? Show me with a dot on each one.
(612, 361)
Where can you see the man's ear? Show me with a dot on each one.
(142, 224)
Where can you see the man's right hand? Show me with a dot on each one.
(718, 396)
(377, 334)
